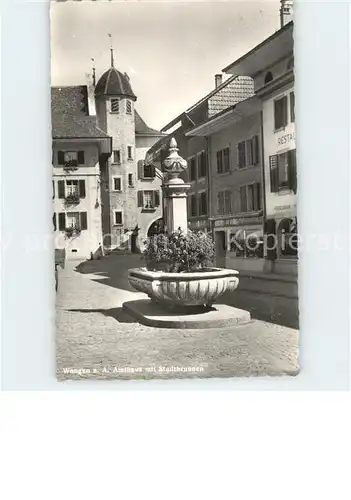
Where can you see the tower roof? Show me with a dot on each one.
(113, 82)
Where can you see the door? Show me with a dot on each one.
(220, 242)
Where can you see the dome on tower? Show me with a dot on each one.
(113, 82)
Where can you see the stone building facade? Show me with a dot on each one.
(271, 65)
(125, 216)
(80, 150)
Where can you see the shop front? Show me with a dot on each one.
(239, 242)
(200, 225)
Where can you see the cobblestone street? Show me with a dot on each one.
(97, 340)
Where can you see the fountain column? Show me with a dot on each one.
(175, 191)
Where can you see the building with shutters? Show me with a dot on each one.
(235, 181)
(271, 65)
(194, 147)
(80, 150)
(130, 193)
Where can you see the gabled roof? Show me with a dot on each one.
(113, 82)
(69, 113)
(142, 129)
(229, 92)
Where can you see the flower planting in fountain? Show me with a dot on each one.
(179, 252)
(180, 272)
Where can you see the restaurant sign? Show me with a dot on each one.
(287, 138)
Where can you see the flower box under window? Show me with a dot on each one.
(72, 231)
(72, 199)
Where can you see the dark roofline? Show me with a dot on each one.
(202, 100)
(252, 51)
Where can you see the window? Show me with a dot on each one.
(149, 200)
(241, 154)
(192, 169)
(114, 105)
(117, 183)
(118, 219)
(70, 158)
(73, 187)
(223, 162)
(130, 152)
(224, 202)
(128, 107)
(227, 202)
(72, 219)
(243, 199)
(280, 113)
(250, 197)
(193, 205)
(201, 164)
(148, 171)
(268, 78)
(203, 204)
(292, 107)
(76, 220)
(117, 156)
(130, 180)
(252, 150)
(283, 171)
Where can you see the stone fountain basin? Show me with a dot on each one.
(184, 289)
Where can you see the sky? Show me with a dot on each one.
(171, 50)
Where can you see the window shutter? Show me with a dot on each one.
(271, 247)
(257, 200)
(241, 150)
(221, 202)
(285, 110)
(140, 199)
(141, 169)
(62, 221)
(60, 157)
(205, 160)
(256, 150)
(243, 199)
(226, 160)
(61, 189)
(156, 198)
(274, 175)
(250, 160)
(292, 106)
(292, 175)
(81, 158)
(83, 221)
(54, 221)
(219, 162)
(53, 189)
(82, 188)
(227, 202)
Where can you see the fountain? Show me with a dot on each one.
(182, 299)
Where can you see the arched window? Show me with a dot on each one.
(290, 64)
(268, 78)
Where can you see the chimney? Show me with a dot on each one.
(286, 12)
(218, 80)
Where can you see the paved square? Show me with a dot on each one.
(96, 339)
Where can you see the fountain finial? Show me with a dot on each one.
(174, 164)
